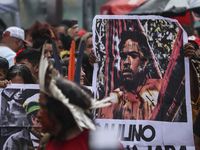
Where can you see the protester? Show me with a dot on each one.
(66, 112)
(69, 33)
(31, 58)
(81, 32)
(82, 77)
(59, 46)
(41, 33)
(72, 27)
(78, 37)
(4, 66)
(12, 111)
(62, 28)
(89, 58)
(20, 73)
(25, 139)
(66, 41)
(195, 41)
(11, 105)
(3, 27)
(64, 54)
(28, 37)
(65, 64)
(189, 51)
(12, 41)
(87, 38)
(196, 131)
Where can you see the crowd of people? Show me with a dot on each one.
(65, 109)
(23, 47)
(67, 119)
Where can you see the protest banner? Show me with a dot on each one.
(141, 64)
(18, 122)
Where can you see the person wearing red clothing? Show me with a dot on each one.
(66, 113)
(81, 141)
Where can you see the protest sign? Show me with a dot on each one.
(141, 65)
(18, 122)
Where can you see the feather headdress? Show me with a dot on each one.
(47, 79)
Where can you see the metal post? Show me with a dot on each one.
(88, 14)
(54, 11)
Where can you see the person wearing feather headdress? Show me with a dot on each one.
(66, 113)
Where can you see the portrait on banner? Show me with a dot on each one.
(19, 124)
(139, 63)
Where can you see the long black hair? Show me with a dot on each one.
(21, 70)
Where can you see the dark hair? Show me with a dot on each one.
(31, 54)
(66, 41)
(3, 27)
(41, 32)
(77, 96)
(88, 69)
(4, 64)
(69, 23)
(137, 37)
(39, 42)
(20, 70)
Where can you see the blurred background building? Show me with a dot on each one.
(23, 13)
(27, 11)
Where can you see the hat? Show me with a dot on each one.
(15, 32)
(31, 107)
(64, 53)
(81, 32)
(194, 39)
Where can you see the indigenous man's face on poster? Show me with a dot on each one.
(130, 60)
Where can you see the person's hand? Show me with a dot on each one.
(66, 77)
(92, 58)
(4, 83)
(189, 50)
